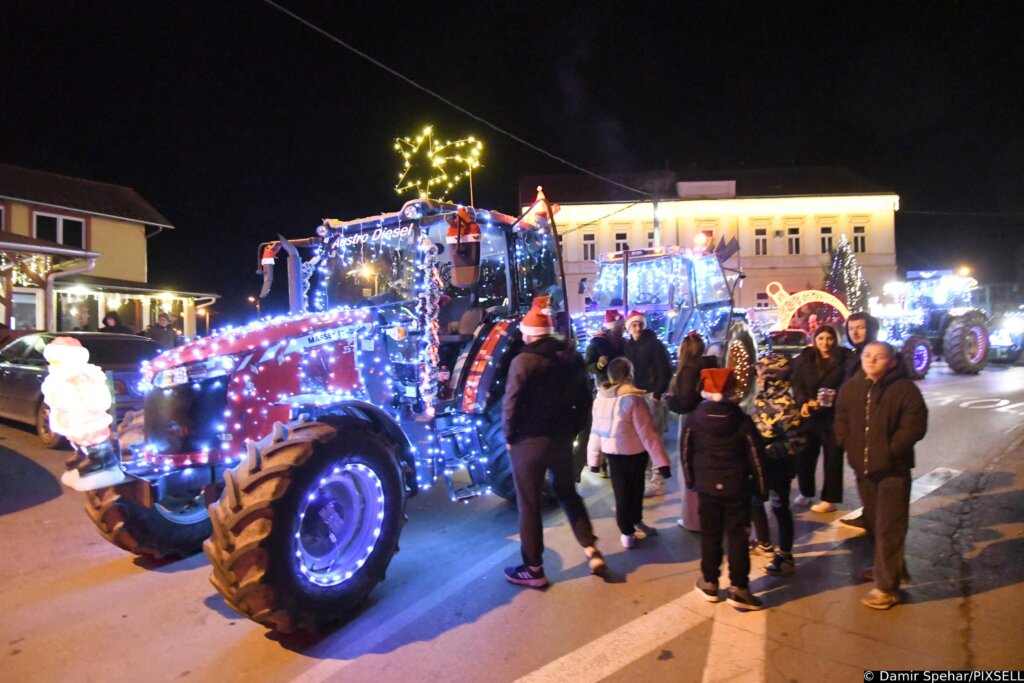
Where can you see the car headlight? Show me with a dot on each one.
(1013, 325)
(194, 372)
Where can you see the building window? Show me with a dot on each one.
(589, 246)
(650, 238)
(860, 244)
(760, 242)
(762, 300)
(621, 241)
(794, 241)
(67, 231)
(826, 239)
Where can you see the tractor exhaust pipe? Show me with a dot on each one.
(296, 297)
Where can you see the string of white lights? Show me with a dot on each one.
(451, 104)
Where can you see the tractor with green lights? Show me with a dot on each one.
(287, 448)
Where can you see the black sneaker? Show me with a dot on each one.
(707, 590)
(742, 598)
(523, 575)
(781, 565)
(762, 548)
(856, 522)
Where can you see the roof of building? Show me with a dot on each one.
(77, 194)
(750, 182)
(10, 241)
(107, 284)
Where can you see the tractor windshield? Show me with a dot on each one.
(537, 269)
(374, 265)
(492, 288)
(709, 282)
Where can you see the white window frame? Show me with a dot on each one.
(589, 241)
(621, 241)
(650, 238)
(762, 301)
(793, 240)
(826, 238)
(60, 227)
(860, 239)
(760, 241)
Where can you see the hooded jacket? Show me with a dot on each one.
(878, 423)
(118, 326)
(776, 413)
(722, 452)
(685, 388)
(623, 425)
(601, 344)
(853, 365)
(652, 367)
(547, 392)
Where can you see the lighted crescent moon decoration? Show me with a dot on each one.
(788, 304)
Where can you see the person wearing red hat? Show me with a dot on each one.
(605, 346)
(722, 456)
(652, 372)
(546, 404)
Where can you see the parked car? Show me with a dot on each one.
(788, 342)
(23, 368)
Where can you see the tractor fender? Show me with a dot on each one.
(380, 422)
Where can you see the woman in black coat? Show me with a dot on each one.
(817, 374)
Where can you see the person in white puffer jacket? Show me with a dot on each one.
(625, 433)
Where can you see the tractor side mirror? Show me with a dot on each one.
(464, 248)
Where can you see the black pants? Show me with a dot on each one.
(531, 458)
(886, 517)
(778, 475)
(729, 518)
(821, 437)
(628, 481)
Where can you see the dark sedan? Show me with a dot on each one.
(789, 342)
(23, 368)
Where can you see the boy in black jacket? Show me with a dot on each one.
(722, 455)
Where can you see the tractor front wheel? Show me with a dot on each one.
(307, 524)
(173, 527)
(917, 356)
(499, 464)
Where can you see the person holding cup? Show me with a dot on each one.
(818, 371)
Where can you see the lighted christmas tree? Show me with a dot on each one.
(845, 281)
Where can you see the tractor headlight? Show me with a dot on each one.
(194, 372)
(1013, 325)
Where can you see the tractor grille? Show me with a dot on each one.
(186, 418)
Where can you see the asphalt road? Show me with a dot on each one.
(76, 608)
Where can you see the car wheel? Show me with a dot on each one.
(50, 438)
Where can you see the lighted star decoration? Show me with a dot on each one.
(428, 163)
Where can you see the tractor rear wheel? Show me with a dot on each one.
(171, 528)
(307, 523)
(917, 356)
(499, 464)
(965, 344)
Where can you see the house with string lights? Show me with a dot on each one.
(73, 250)
(775, 224)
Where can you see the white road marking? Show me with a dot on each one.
(618, 649)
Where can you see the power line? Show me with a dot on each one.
(974, 214)
(451, 104)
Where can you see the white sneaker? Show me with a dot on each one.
(653, 490)
(627, 541)
(802, 500)
(823, 506)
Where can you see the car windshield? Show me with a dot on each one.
(789, 337)
(372, 265)
(104, 350)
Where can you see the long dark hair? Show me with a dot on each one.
(820, 361)
(692, 346)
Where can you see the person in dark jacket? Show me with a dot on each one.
(112, 323)
(162, 332)
(880, 415)
(722, 461)
(818, 372)
(861, 330)
(683, 397)
(652, 370)
(547, 402)
(605, 346)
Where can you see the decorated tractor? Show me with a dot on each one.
(678, 291)
(932, 316)
(287, 448)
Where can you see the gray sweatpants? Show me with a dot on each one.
(886, 517)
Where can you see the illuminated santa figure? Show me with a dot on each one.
(79, 399)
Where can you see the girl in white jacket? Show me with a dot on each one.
(624, 431)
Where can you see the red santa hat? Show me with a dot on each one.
(717, 382)
(539, 320)
(612, 317)
(635, 315)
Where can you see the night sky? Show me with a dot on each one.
(236, 122)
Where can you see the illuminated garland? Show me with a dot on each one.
(429, 296)
(425, 163)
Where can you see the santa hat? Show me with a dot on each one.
(538, 321)
(717, 382)
(634, 316)
(612, 317)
